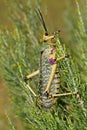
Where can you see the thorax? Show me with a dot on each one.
(49, 55)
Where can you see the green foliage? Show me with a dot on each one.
(10, 122)
(19, 52)
(78, 36)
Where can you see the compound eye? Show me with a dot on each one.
(46, 34)
(45, 37)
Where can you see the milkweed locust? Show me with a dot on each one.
(49, 76)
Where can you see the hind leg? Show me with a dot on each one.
(64, 94)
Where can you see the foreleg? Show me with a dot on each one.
(31, 75)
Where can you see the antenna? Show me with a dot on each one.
(42, 20)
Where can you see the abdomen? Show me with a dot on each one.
(46, 69)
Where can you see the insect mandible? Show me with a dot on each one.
(49, 77)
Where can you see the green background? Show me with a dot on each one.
(57, 15)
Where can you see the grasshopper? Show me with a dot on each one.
(49, 77)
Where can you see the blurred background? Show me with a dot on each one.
(55, 13)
